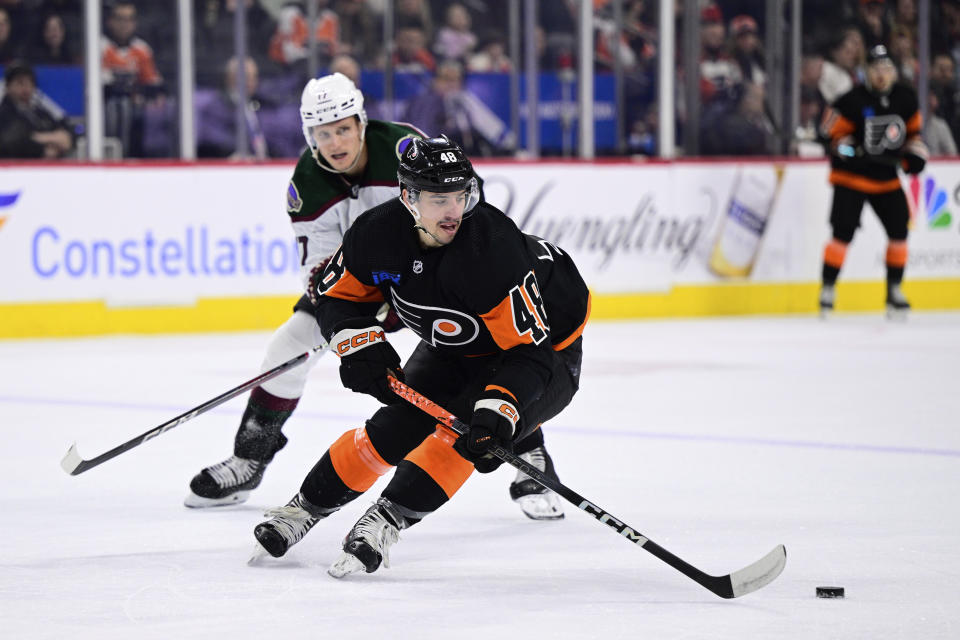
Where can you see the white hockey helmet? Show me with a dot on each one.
(328, 99)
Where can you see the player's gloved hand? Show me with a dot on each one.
(365, 358)
(316, 275)
(389, 319)
(915, 157)
(494, 422)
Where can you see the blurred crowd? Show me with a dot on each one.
(447, 43)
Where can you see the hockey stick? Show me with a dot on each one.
(73, 464)
(733, 585)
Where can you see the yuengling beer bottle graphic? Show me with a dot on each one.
(751, 201)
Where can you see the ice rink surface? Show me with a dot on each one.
(715, 438)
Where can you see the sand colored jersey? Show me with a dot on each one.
(322, 205)
(881, 126)
(493, 289)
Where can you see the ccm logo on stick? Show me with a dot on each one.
(360, 340)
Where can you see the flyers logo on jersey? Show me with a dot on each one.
(436, 325)
(881, 133)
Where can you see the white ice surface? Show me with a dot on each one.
(717, 439)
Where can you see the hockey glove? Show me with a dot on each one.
(389, 319)
(316, 275)
(494, 422)
(365, 358)
(915, 156)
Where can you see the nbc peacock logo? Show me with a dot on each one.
(7, 200)
(934, 202)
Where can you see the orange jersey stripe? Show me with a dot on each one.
(578, 331)
(356, 461)
(495, 387)
(897, 254)
(499, 321)
(915, 124)
(837, 125)
(348, 287)
(436, 457)
(835, 253)
(859, 183)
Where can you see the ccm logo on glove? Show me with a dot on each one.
(355, 339)
(502, 407)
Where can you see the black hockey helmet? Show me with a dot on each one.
(877, 54)
(438, 165)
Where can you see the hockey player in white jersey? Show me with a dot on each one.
(349, 166)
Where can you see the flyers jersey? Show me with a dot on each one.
(322, 205)
(492, 290)
(882, 126)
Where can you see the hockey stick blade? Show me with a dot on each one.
(73, 464)
(733, 585)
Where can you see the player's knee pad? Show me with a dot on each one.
(298, 334)
(437, 458)
(356, 461)
(397, 429)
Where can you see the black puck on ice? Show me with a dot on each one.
(829, 592)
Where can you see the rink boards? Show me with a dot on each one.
(179, 248)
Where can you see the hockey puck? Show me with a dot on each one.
(829, 592)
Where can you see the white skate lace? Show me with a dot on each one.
(378, 533)
(536, 458)
(233, 471)
(291, 520)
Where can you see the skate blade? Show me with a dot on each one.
(345, 565)
(541, 506)
(897, 315)
(257, 555)
(826, 314)
(193, 501)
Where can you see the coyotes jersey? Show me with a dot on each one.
(493, 289)
(322, 205)
(881, 126)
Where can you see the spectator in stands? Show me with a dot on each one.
(943, 85)
(360, 33)
(411, 52)
(273, 130)
(130, 77)
(738, 127)
(9, 46)
(808, 141)
(53, 44)
(450, 109)
(718, 72)
(455, 40)
(492, 56)
(290, 42)
(905, 16)
(746, 49)
(349, 67)
(873, 22)
(214, 25)
(414, 13)
(936, 131)
(634, 44)
(842, 67)
(903, 49)
(31, 125)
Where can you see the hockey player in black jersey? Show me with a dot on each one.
(873, 129)
(349, 166)
(499, 315)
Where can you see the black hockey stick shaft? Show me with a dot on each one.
(73, 464)
(732, 585)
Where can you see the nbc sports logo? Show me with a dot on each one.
(934, 202)
(7, 200)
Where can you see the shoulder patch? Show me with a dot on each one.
(294, 202)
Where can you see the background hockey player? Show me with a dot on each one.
(349, 166)
(499, 315)
(873, 129)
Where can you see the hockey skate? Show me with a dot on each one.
(286, 527)
(897, 305)
(827, 295)
(536, 501)
(227, 483)
(368, 543)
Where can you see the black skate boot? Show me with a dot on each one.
(897, 305)
(226, 483)
(369, 541)
(287, 525)
(827, 296)
(537, 502)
